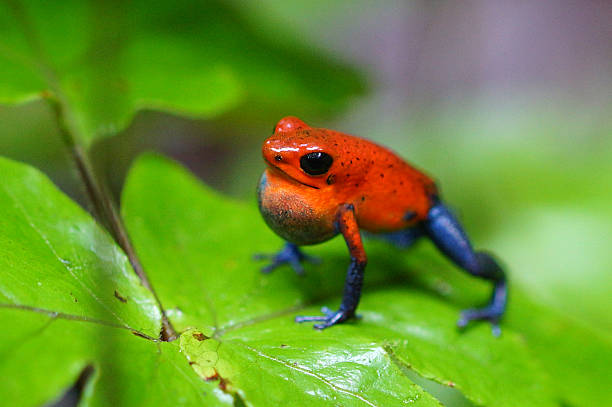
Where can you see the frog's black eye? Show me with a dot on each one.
(316, 163)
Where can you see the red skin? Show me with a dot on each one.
(383, 189)
(361, 186)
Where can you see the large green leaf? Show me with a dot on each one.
(238, 343)
(249, 313)
(106, 60)
(69, 299)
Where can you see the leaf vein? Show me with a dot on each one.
(74, 317)
(62, 261)
(309, 373)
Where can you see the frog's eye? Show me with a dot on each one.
(316, 163)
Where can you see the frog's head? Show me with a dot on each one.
(304, 154)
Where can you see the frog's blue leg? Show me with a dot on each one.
(346, 224)
(289, 254)
(447, 234)
(402, 239)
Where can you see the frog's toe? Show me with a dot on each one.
(297, 267)
(290, 255)
(269, 268)
(490, 313)
(329, 318)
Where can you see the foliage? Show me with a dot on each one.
(238, 334)
(105, 60)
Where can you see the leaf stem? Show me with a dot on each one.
(103, 206)
(97, 192)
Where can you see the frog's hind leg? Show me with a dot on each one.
(402, 239)
(447, 234)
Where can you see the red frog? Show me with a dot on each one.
(320, 183)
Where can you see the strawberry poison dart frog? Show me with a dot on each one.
(320, 183)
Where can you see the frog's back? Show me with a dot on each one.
(393, 194)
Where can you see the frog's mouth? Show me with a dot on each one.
(285, 175)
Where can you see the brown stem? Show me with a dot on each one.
(104, 208)
(98, 194)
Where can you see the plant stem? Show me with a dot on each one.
(104, 208)
(97, 192)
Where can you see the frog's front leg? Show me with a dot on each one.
(289, 254)
(448, 235)
(346, 224)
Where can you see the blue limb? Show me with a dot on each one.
(447, 234)
(346, 224)
(289, 254)
(404, 238)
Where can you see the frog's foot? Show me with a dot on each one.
(491, 313)
(290, 254)
(328, 319)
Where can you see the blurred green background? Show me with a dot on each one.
(508, 105)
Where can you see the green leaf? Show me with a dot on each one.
(69, 299)
(54, 257)
(235, 293)
(323, 374)
(575, 356)
(106, 60)
(238, 343)
(249, 313)
(45, 354)
(90, 310)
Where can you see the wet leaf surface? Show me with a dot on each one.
(56, 258)
(238, 341)
(409, 307)
(47, 355)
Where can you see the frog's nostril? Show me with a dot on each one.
(278, 157)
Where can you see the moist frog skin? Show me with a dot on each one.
(320, 183)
